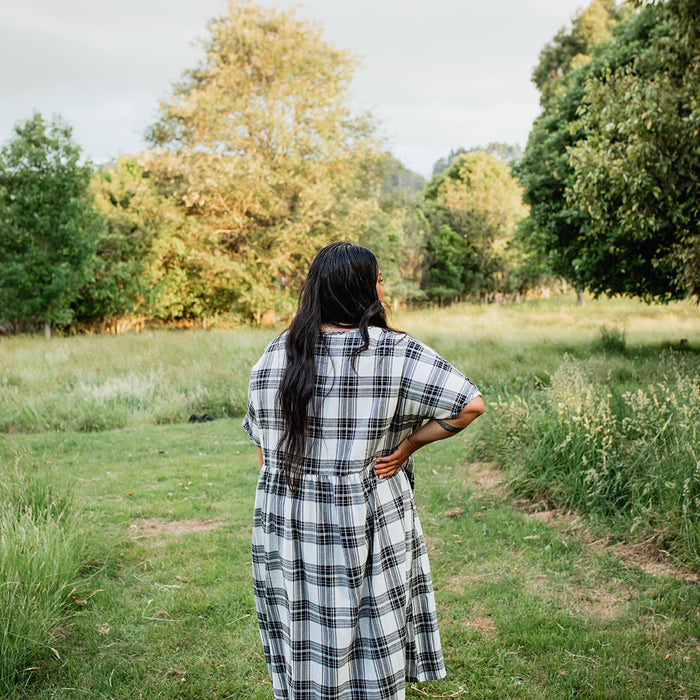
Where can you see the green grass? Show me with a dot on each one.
(43, 563)
(529, 607)
(92, 383)
(630, 459)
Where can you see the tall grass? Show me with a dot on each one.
(91, 383)
(43, 550)
(106, 382)
(630, 458)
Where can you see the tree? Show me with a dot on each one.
(556, 227)
(47, 225)
(509, 154)
(396, 231)
(141, 262)
(260, 147)
(610, 171)
(637, 170)
(572, 48)
(473, 207)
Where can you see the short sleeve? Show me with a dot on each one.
(431, 387)
(251, 424)
(262, 387)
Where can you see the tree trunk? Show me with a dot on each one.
(580, 299)
(47, 330)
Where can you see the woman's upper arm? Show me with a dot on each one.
(470, 411)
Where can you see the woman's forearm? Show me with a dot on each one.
(433, 430)
(425, 434)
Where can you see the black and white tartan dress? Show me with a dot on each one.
(341, 578)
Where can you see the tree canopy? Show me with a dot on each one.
(474, 207)
(637, 171)
(259, 145)
(508, 153)
(611, 167)
(572, 47)
(47, 224)
(141, 267)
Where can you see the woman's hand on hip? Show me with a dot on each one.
(390, 464)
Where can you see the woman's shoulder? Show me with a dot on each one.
(274, 352)
(412, 348)
(388, 339)
(277, 344)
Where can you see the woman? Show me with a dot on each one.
(340, 570)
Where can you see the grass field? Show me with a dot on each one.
(102, 382)
(534, 601)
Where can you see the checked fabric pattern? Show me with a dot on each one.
(341, 578)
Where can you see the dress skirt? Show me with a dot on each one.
(342, 586)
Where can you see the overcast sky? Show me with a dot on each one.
(438, 74)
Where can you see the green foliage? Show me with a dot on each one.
(47, 225)
(42, 554)
(637, 171)
(610, 170)
(448, 257)
(473, 207)
(260, 147)
(571, 48)
(507, 153)
(613, 339)
(141, 262)
(555, 228)
(396, 231)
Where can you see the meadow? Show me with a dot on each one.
(562, 526)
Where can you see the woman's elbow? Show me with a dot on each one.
(470, 412)
(476, 406)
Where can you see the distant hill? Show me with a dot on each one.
(509, 154)
(398, 178)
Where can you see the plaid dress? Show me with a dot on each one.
(341, 579)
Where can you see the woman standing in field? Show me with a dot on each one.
(340, 570)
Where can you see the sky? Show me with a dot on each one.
(437, 74)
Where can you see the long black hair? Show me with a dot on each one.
(340, 290)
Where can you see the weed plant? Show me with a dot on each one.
(613, 339)
(42, 553)
(630, 459)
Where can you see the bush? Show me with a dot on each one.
(632, 459)
(42, 553)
